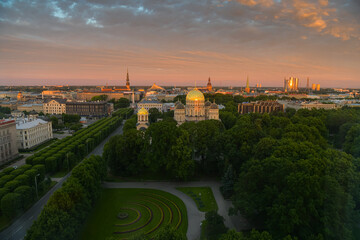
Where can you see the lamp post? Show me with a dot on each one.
(67, 158)
(37, 194)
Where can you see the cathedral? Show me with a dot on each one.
(196, 109)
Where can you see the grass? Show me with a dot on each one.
(5, 222)
(203, 197)
(157, 208)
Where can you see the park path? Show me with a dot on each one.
(194, 215)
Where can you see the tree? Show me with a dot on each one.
(99, 98)
(154, 115)
(181, 164)
(169, 233)
(27, 196)
(352, 141)
(11, 205)
(228, 180)
(123, 153)
(122, 103)
(214, 225)
(228, 119)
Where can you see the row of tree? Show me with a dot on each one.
(67, 152)
(67, 209)
(18, 188)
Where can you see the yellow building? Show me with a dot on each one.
(143, 119)
(196, 109)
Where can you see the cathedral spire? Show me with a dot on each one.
(247, 89)
(209, 86)
(127, 79)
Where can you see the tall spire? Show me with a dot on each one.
(127, 79)
(209, 87)
(247, 89)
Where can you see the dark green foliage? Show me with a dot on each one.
(99, 98)
(120, 103)
(130, 123)
(169, 233)
(68, 207)
(227, 181)
(27, 196)
(11, 185)
(227, 118)
(154, 115)
(214, 225)
(51, 164)
(23, 179)
(11, 205)
(123, 153)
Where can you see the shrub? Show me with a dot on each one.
(23, 179)
(11, 205)
(26, 194)
(51, 164)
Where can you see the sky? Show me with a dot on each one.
(180, 42)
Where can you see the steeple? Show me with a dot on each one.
(247, 89)
(209, 86)
(127, 79)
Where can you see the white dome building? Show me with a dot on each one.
(195, 109)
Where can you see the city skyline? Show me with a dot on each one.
(180, 42)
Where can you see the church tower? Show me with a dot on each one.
(127, 80)
(143, 119)
(247, 89)
(209, 86)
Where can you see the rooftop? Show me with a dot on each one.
(26, 123)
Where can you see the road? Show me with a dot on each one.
(17, 230)
(194, 215)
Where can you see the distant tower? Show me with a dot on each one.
(209, 87)
(247, 89)
(127, 80)
(317, 87)
(143, 119)
(308, 84)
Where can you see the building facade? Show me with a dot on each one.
(32, 132)
(196, 109)
(54, 106)
(37, 107)
(260, 107)
(89, 109)
(148, 104)
(8, 148)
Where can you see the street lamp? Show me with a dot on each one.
(37, 194)
(67, 158)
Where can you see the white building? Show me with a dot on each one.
(148, 104)
(54, 106)
(32, 132)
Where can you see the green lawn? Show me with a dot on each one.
(203, 197)
(148, 210)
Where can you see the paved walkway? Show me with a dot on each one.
(194, 215)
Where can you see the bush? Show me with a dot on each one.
(11, 185)
(26, 194)
(5, 179)
(23, 179)
(11, 205)
(51, 164)
(41, 170)
(3, 192)
(31, 173)
(8, 170)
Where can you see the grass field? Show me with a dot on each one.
(203, 196)
(147, 211)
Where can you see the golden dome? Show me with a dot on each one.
(195, 95)
(142, 111)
